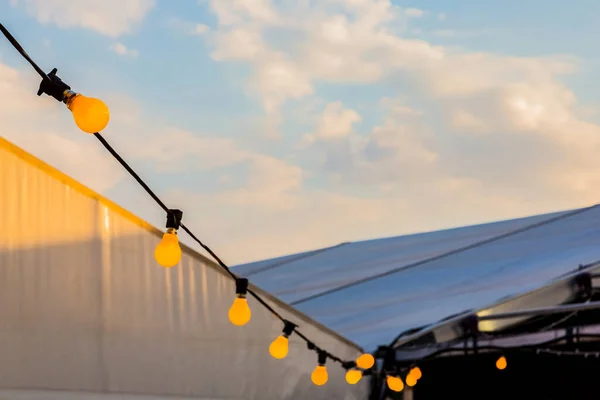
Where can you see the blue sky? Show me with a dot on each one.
(282, 126)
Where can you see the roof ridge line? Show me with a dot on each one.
(446, 254)
(298, 257)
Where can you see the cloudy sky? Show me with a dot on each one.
(281, 126)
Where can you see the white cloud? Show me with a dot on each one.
(526, 146)
(468, 74)
(445, 33)
(456, 33)
(324, 45)
(201, 29)
(186, 27)
(414, 12)
(393, 153)
(108, 17)
(441, 17)
(122, 50)
(233, 12)
(279, 80)
(500, 98)
(318, 45)
(336, 122)
(243, 43)
(175, 150)
(398, 108)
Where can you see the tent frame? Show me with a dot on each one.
(569, 294)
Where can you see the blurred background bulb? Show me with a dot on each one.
(501, 363)
(91, 115)
(416, 371)
(168, 251)
(411, 380)
(394, 383)
(319, 376)
(239, 313)
(365, 361)
(279, 347)
(353, 376)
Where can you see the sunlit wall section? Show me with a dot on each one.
(85, 308)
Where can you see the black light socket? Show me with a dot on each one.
(174, 217)
(322, 357)
(241, 286)
(53, 86)
(288, 328)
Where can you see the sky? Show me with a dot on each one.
(283, 126)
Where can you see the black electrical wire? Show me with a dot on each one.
(22, 51)
(143, 184)
(162, 205)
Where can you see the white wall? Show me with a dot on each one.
(60, 395)
(84, 307)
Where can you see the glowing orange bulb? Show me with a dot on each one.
(416, 372)
(394, 383)
(501, 363)
(411, 380)
(279, 347)
(168, 252)
(365, 361)
(239, 313)
(91, 115)
(353, 376)
(319, 376)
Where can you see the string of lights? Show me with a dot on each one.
(92, 116)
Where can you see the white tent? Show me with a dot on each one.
(85, 312)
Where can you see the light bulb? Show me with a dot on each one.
(394, 383)
(365, 361)
(239, 313)
(319, 376)
(279, 347)
(168, 252)
(411, 379)
(416, 372)
(353, 376)
(501, 363)
(91, 115)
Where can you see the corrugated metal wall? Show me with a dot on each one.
(84, 307)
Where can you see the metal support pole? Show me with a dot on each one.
(532, 312)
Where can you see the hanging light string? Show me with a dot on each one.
(237, 279)
(92, 116)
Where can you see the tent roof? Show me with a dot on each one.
(373, 290)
